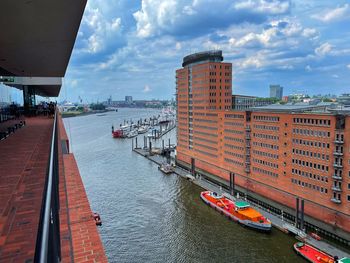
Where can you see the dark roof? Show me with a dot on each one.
(212, 55)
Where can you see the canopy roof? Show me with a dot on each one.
(37, 38)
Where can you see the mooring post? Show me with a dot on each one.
(297, 213)
(302, 215)
(169, 144)
(132, 144)
(150, 147)
(136, 142)
(163, 145)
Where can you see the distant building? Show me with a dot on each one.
(285, 98)
(128, 99)
(109, 101)
(344, 99)
(276, 91)
(242, 102)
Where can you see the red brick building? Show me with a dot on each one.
(276, 153)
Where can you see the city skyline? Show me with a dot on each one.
(132, 48)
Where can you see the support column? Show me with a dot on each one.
(193, 166)
(28, 98)
(232, 183)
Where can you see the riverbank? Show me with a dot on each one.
(69, 114)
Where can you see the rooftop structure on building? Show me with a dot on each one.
(243, 102)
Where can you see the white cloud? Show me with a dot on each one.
(324, 49)
(348, 66)
(154, 14)
(99, 30)
(308, 68)
(263, 6)
(146, 89)
(336, 14)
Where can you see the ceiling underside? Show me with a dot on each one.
(37, 38)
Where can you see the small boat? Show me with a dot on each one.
(119, 134)
(142, 129)
(166, 168)
(97, 219)
(190, 177)
(314, 255)
(132, 134)
(239, 211)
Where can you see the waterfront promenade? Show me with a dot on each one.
(24, 160)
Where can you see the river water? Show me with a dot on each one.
(151, 217)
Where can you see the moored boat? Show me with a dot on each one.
(142, 129)
(166, 168)
(118, 134)
(239, 211)
(315, 255)
(132, 134)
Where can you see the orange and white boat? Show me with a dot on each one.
(314, 255)
(239, 211)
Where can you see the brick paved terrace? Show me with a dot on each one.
(24, 160)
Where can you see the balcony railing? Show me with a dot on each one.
(339, 141)
(338, 165)
(48, 248)
(336, 188)
(337, 201)
(337, 177)
(338, 153)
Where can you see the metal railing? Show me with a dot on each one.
(48, 247)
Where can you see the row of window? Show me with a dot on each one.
(311, 143)
(205, 140)
(233, 131)
(206, 134)
(205, 120)
(265, 163)
(228, 160)
(266, 127)
(266, 145)
(240, 156)
(235, 147)
(315, 133)
(233, 139)
(310, 186)
(317, 166)
(234, 116)
(266, 154)
(207, 147)
(310, 175)
(266, 118)
(237, 124)
(263, 171)
(206, 153)
(212, 128)
(316, 122)
(266, 136)
(317, 155)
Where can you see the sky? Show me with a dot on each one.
(133, 47)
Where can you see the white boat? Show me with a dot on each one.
(132, 134)
(142, 129)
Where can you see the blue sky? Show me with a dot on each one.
(134, 47)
